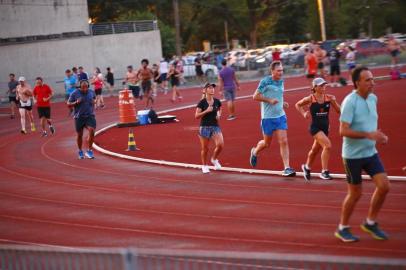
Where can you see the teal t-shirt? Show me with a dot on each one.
(270, 88)
(362, 115)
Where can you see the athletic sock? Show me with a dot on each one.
(342, 227)
(370, 222)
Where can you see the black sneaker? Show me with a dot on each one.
(253, 158)
(306, 172)
(374, 231)
(288, 172)
(52, 129)
(325, 175)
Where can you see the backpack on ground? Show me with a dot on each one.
(395, 74)
(153, 117)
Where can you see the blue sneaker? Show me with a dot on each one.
(80, 155)
(374, 231)
(89, 154)
(253, 158)
(345, 235)
(288, 172)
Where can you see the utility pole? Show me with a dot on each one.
(322, 24)
(177, 28)
(226, 34)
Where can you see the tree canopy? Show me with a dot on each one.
(256, 22)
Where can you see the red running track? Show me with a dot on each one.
(49, 197)
(178, 142)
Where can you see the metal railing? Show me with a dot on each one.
(122, 27)
(44, 258)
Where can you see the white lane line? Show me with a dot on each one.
(227, 169)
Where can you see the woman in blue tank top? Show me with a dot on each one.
(318, 104)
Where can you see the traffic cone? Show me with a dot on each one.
(132, 146)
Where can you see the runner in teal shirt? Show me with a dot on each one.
(273, 119)
(359, 128)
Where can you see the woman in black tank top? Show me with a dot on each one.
(173, 76)
(318, 105)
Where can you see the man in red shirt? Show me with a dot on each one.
(43, 93)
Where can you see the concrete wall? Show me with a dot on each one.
(50, 59)
(32, 17)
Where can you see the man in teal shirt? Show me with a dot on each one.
(359, 128)
(273, 118)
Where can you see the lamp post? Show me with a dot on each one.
(322, 24)
(177, 28)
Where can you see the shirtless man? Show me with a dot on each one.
(132, 80)
(24, 97)
(394, 50)
(146, 74)
(320, 57)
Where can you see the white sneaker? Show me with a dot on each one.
(205, 169)
(216, 163)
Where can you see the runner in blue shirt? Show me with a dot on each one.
(83, 100)
(70, 82)
(270, 94)
(359, 128)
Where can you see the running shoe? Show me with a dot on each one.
(33, 127)
(253, 158)
(52, 129)
(374, 231)
(44, 134)
(89, 154)
(23, 131)
(306, 172)
(80, 154)
(231, 117)
(205, 169)
(345, 235)
(216, 163)
(325, 175)
(288, 172)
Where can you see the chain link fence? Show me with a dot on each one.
(44, 258)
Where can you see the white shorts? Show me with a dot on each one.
(27, 103)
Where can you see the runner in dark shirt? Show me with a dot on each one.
(319, 106)
(83, 100)
(209, 111)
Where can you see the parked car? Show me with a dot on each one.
(289, 53)
(189, 69)
(368, 47)
(263, 60)
(328, 45)
(296, 58)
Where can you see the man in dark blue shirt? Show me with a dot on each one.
(83, 100)
(82, 75)
(334, 57)
(12, 96)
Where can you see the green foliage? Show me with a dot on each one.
(259, 21)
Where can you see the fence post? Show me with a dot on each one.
(129, 260)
